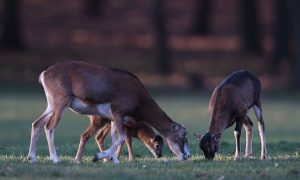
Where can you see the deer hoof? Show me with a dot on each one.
(237, 158)
(31, 159)
(77, 161)
(248, 156)
(263, 158)
(105, 160)
(54, 160)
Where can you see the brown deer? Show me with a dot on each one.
(134, 129)
(91, 89)
(229, 104)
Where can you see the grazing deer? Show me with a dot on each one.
(229, 104)
(134, 129)
(91, 89)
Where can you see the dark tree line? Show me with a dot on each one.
(161, 37)
(93, 8)
(286, 31)
(249, 26)
(287, 38)
(281, 35)
(286, 34)
(295, 12)
(250, 34)
(202, 14)
(10, 37)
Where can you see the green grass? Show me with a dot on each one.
(282, 117)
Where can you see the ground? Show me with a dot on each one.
(281, 112)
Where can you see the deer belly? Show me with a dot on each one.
(80, 107)
(103, 110)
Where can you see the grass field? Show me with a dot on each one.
(282, 117)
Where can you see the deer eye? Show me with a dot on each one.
(156, 146)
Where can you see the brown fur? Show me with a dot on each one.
(229, 104)
(134, 129)
(98, 88)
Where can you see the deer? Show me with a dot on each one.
(229, 104)
(138, 130)
(91, 89)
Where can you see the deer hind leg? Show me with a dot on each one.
(128, 142)
(248, 125)
(118, 137)
(95, 125)
(51, 125)
(35, 132)
(119, 149)
(237, 135)
(100, 137)
(261, 127)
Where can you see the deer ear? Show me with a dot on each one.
(175, 127)
(199, 136)
(217, 137)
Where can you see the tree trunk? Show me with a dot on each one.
(295, 10)
(249, 27)
(93, 8)
(161, 37)
(281, 35)
(201, 23)
(11, 37)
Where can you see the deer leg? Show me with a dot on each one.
(50, 129)
(237, 135)
(35, 133)
(128, 142)
(89, 132)
(261, 127)
(118, 137)
(119, 149)
(114, 137)
(101, 135)
(248, 125)
(103, 132)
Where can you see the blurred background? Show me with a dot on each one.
(181, 46)
(168, 43)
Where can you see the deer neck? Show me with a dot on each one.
(145, 137)
(218, 123)
(153, 115)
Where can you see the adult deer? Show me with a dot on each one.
(91, 89)
(229, 104)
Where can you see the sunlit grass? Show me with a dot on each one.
(19, 111)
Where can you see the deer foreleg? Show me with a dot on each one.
(89, 132)
(118, 137)
(248, 125)
(237, 135)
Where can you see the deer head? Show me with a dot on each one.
(209, 144)
(178, 142)
(157, 144)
